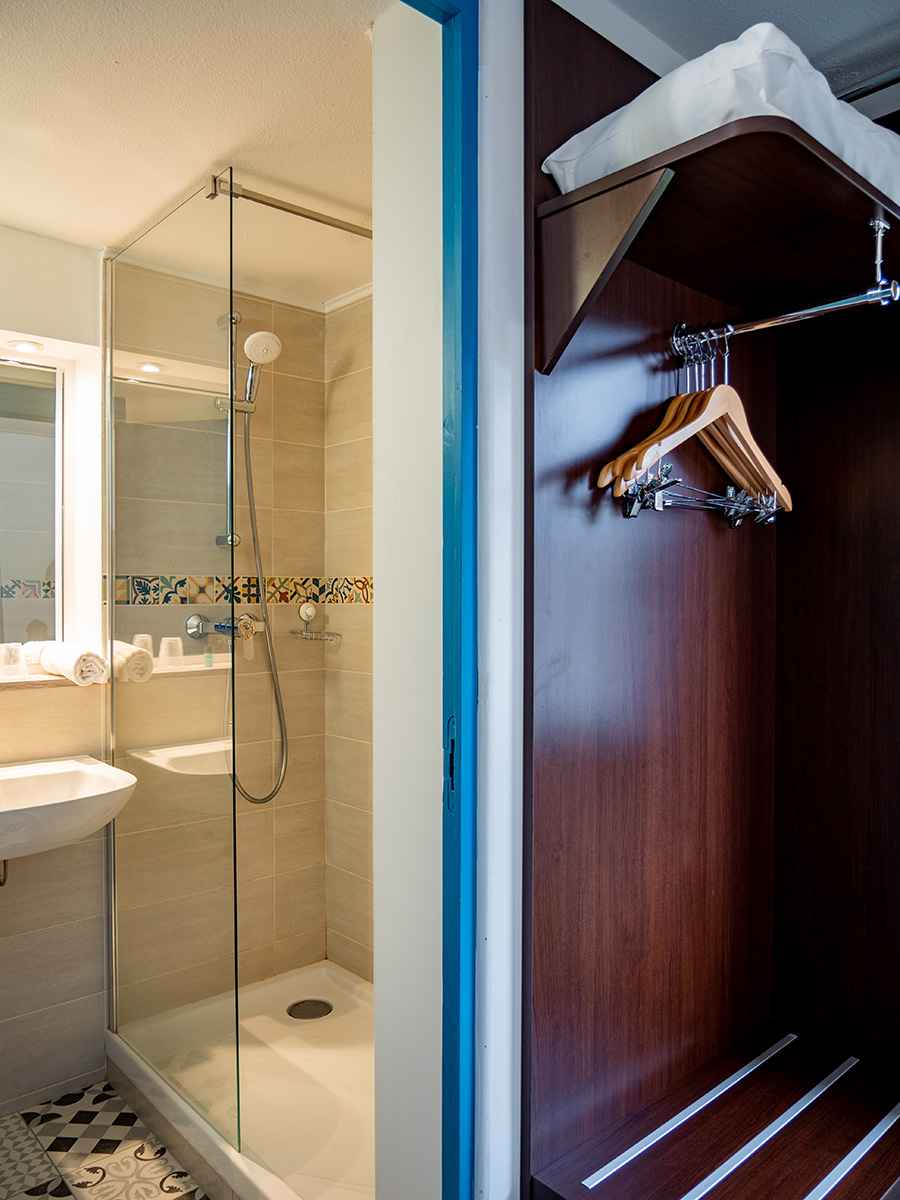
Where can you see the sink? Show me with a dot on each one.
(51, 802)
(195, 758)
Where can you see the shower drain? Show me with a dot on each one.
(309, 1010)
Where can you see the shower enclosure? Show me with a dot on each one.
(243, 863)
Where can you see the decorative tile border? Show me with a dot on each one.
(221, 589)
(27, 589)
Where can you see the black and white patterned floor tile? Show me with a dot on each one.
(97, 1145)
(84, 1124)
(23, 1164)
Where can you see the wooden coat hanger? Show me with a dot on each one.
(717, 416)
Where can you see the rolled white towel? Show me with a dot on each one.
(77, 663)
(132, 662)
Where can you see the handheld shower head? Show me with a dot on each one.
(262, 347)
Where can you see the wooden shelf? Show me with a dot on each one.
(789, 1163)
(757, 214)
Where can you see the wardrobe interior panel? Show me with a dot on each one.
(838, 704)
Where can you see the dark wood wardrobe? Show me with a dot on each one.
(713, 720)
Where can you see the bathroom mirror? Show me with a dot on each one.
(30, 533)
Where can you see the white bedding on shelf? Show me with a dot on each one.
(762, 73)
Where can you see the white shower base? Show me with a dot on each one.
(307, 1087)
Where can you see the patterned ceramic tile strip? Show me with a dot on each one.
(221, 589)
(27, 589)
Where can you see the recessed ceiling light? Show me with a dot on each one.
(151, 368)
(26, 347)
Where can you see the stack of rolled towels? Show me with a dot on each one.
(83, 665)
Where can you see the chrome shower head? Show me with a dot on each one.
(262, 347)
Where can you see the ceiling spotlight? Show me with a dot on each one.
(26, 347)
(151, 368)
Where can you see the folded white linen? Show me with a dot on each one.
(80, 664)
(132, 663)
(761, 73)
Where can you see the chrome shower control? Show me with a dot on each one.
(196, 626)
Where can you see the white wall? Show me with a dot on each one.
(501, 388)
(408, 757)
(49, 289)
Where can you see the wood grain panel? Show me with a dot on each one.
(653, 659)
(839, 660)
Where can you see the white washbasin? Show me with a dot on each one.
(196, 758)
(51, 802)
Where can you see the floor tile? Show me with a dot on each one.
(23, 1163)
(86, 1124)
(141, 1171)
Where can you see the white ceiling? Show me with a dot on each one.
(111, 112)
(114, 111)
(848, 42)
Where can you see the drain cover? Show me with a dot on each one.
(309, 1010)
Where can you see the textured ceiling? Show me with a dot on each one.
(848, 42)
(112, 112)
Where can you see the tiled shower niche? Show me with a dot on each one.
(304, 873)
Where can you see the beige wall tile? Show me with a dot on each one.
(299, 902)
(348, 770)
(349, 904)
(256, 964)
(302, 336)
(256, 914)
(304, 702)
(299, 836)
(159, 462)
(354, 623)
(164, 798)
(51, 722)
(298, 474)
(306, 771)
(51, 966)
(164, 315)
(348, 834)
(348, 408)
(43, 1048)
(244, 560)
(257, 765)
(348, 339)
(298, 410)
(38, 901)
(254, 708)
(175, 988)
(348, 705)
(180, 860)
(298, 543)
(348, 542)
(350, 955)
(156, 537)
(260, 464)
(348, 475)
(300, 951)
(175, 934)
(253, 838)
(170, 710)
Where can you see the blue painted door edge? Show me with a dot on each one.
(460, 219)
